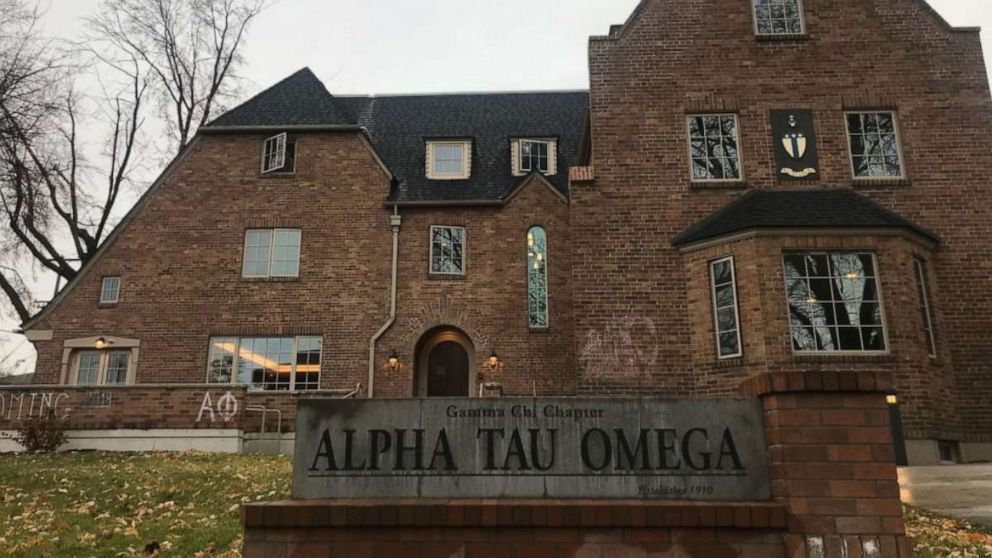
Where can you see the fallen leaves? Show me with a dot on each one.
(937, 536)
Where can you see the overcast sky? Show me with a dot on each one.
(418, 46)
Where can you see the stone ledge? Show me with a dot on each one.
(512, 513)
(818, 381)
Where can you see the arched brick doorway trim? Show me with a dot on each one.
(445, 364)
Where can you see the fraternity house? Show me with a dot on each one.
(751, 190)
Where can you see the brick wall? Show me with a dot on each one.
(676, 58)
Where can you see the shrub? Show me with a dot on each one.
(42, 434)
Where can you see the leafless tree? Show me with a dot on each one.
(191, 47)
(57, 201)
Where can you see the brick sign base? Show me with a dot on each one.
(834, 494)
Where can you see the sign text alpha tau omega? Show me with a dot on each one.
(531, 448)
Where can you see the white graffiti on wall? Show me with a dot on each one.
(226, 407)
(624, 346)
(27, 405)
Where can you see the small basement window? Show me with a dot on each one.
(279, 155)
(449, 160)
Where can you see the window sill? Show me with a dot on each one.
(445, 277)
(834, 358)
(720, 185)
(107, 305)
(735, 362)
(270, 279)
(539, 330)
(885, 182)
(277, 176)
(785, 37)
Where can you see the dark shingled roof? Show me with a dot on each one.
(821, 208)
(299, 100)
(400, 125)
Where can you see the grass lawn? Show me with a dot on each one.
(105, 504)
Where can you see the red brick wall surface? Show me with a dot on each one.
(678, 58)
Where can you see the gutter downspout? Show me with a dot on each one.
(394, 221)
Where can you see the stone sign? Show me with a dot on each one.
(698, 449)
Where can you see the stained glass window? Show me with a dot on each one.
(726, 315)
(778, 17)
(447, 246)
(874, 145)
(537, 277)
(713, 144)
(834, 302)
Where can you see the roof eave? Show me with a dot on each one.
(694, 245)
(282, 128)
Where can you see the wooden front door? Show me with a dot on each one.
(447, 371)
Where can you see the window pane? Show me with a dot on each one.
(919, 269)
(89, 368)
(449, 158)
(777, 16)
(286, 253)
(446, 250)
(725, 307)
(874, 144)
(537, 277)
(220, 363)
(308, 351)
(110, 289)
(713, 142)
(258, 245)
(117, 363)
(833, 302)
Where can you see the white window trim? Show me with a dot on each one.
(466, 173)
(71, 348)
(737, 310)
(881, 309)
(281, 141)
(269, 274)
(237, 357)
(430, 256)
(920, 272)
(103, 290)
(516, 152)
(802, 21)
(740, 150)
(895, 129)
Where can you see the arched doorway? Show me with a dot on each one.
(445, 364)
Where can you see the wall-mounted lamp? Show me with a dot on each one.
(494, 361)
(101, 343)
(393, 361)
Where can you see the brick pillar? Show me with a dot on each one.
(832, 463)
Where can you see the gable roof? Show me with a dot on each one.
(299, 100)
(400, 126)
(791, 209)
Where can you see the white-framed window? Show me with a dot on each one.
(923, 291)
(110, 290)
(449, 160)
(530, 155)
(278, 155)
(266, 363)
(271, 253)
(537, 278)
(714, 147)
(834, 301)
(98, 368)
(873, 137)
(447, 250)
(778, 17)
(726, 310)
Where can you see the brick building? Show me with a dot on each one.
(748, 187)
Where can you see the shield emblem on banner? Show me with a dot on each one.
(795, 145)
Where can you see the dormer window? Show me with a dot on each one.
(279, 155)
(449, 159)
(778, 17)
(534, 155)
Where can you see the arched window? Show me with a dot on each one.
(537, 277)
